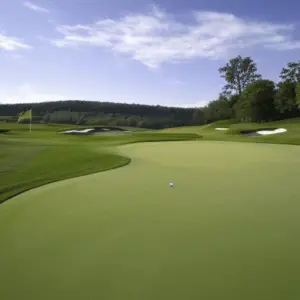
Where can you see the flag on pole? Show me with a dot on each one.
(25, 115)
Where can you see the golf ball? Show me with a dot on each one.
(171, 184)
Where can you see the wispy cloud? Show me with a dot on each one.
(157, 37)
(10, 43)
(35, 7)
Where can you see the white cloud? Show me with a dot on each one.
(26, 93)
(10, 43)
(157, 37)
(35, 7)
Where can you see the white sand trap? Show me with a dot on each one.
(78, 131)
(221, 128)
(266, 132)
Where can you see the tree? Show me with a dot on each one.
(198, 117)
(207, 116)
(291, 73)
(257, 100)
(298, 94)
(217, 110)
(225, 111)
(233, 99)
(242, 110)
(238, 73)
(285, 97)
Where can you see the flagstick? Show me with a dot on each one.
(30, 119)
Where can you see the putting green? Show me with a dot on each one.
(229, 229)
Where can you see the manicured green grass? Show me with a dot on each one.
(30, 159)
(227, 230)
(25, 166)
(209, 132)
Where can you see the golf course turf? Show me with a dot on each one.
(228, 229)
(29, 160)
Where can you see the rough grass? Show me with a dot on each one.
(25, 166)
(58, 127)
(10, 118)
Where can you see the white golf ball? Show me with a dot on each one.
(171, 184)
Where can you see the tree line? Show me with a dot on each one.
(246, 97)
(103, 113)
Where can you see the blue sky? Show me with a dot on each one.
(166, 52)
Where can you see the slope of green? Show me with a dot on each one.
(227, 230)
(28, 160)
(31, 165)
(209, 132)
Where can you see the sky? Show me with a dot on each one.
(166, 52)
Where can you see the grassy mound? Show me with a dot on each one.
(26, 166)
(235, 131)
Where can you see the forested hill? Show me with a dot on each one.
(103, 113)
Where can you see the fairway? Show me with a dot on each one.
(228, 229)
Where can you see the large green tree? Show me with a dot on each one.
(242, 111)
(289, 86)
(257, 101)
(285, 97)
(291, 73)
(238, 73)
(233, 99)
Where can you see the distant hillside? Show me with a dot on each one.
(102, 113)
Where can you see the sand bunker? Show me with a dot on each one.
(95, 130)
(221, 128)
(82, 131)
(266, 131)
